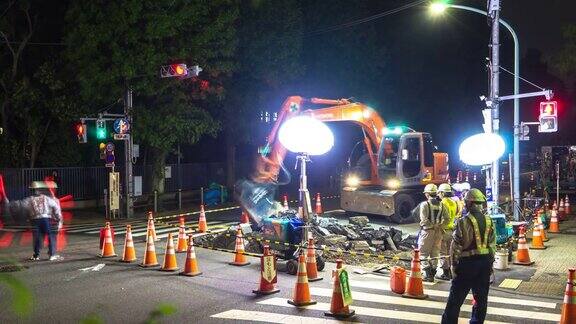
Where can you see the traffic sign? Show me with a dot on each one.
(109, 165)
(121, 126)
(110, 147)
(121, 137)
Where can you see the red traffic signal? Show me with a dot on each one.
(548, 117)
(174, 70)
(81, 133)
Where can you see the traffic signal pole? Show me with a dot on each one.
(494, 14)
(128, 181)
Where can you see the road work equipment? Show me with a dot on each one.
(191, 264)
(239, 257)
(268, 274)
(302, 288)
(150, 253)
(385, 180)
(129, 254)
(170, 263)
(415, 287)
(339, 305)
(108, 247)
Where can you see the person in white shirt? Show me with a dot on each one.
(43, 208)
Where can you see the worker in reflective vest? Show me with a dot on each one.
(472, 254)
(453, 211)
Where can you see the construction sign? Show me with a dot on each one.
(114, 190)
(268, 268)
(345, 287)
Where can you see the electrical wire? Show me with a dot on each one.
(521, 78)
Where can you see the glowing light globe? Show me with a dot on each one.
(481, 149)
(304, 134)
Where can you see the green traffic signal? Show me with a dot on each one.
(100, 129)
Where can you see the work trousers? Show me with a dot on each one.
(43, 228)
(429, 243)
(445, 250)
(471, 273)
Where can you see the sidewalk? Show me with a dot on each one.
(553, 263)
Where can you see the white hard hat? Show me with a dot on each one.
(431, 188)
(465, 186)
(444, 188)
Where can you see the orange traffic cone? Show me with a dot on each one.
(554, 227)
(302, 288)
(150, 253)
(191, 265)
(108, 247)
(239, 257)
(244, 219)
(151, 226)
(202, 226)
(537, 242)
(523, 255)
(129, 254)
(182, 242)
(337, 307)
(311, 268)
(318, 204)
(561, 210)
(181, 220)
(268, 276)
(169, 263)
(542, 229)
(569, 306)
(415, 287)
(567, 206)
(285, 203)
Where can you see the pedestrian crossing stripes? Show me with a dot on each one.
(375, 303)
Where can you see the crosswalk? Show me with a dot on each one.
(375, 303)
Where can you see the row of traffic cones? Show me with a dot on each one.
(318, 210)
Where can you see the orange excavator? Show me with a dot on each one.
(387, 180)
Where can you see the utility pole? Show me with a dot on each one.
(128, 182)
(494, 14)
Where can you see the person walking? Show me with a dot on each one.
(44, 208)
(472, 254)
(433, 215)
(453, 211)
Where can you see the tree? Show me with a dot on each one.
(564, 62)
(267, 62)
(113, 45)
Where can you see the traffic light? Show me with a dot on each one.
(548, 117)
(100, 129)
(102, 148)
(81, 131)
(179, 70)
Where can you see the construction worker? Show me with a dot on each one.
(472, 254)
(433, 215)
(44, 208)
(453, 211)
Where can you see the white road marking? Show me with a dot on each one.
(254, 316)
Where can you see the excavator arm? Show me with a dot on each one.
(269, 163)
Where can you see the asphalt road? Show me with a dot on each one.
(70, 290)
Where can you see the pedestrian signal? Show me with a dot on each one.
(548, 117)
(81, 131)
(100, 129)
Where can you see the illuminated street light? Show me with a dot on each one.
(437, 8)
(304, 134)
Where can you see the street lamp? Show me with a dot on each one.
(437, 8)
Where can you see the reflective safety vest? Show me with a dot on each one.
(452, 208)
(482, 246)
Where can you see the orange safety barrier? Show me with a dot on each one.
(202, 225)
(398, 279)
(523, 255)
(108, 247)
(150, 253)
(415, 285)
(311, 267)
(537, 241)
(191, 264)
(182, 242)
(302, 288)
(129, 254)
(337, 307)
(151, 226)
(318, 204)
(569, 306)
(239, 257)
(268, 274)
(554, 226)
(169, 263)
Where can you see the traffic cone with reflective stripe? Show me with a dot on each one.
(239, 257)
(569, 306)
(542, 229)
(268, 275)
(244, 219)
(181, 220)
(108, 246)
(318, 204)
(415, 287)
(202, 225)
(554, 226)
(567, 206)
(302, 289)
(311, 268)
(191, 264)
(182, 242)
(169, 263)
(523, 255)
(129, 254)
(561, 210)
(285, 203)
(150, 253)
(537, 242)
(151, 226)
(337, 307)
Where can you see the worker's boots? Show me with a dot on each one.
(446, 275)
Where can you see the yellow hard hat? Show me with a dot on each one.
(445, 188)
(431, 189)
